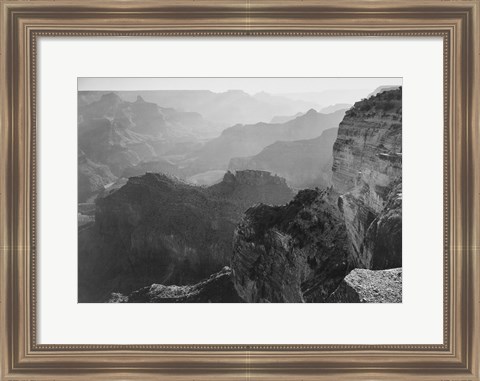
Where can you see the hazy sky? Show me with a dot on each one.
(249, 85)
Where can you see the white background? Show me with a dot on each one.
(418, 320)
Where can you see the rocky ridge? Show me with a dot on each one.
(303, 251)
(292, 253)
(249, 140)
(217, 288)
(158, 229)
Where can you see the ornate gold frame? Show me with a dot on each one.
(457, 22)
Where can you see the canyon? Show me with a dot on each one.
(303, 251)
(157, 228)
(307, 209)
(285, 158)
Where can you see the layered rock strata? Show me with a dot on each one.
(301, 252)
(367, 171)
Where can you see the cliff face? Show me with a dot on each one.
(303, 251)
(367, 166)
(156, 229)
(382, 248)
(367, 154)
(292, 253)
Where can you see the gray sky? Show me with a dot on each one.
(249, 85)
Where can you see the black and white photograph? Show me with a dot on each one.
(239, 190)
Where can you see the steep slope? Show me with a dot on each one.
(367, 165)
(303, 251)
(249, 140)
(303, 163)
(156, 229)
(291, 254)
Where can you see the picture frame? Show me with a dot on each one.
(23, 22)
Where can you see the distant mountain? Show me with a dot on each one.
(330, 97)
(225, 108)
(303, 163)
(285, 118)
(110, 144)
(381, 89)
(120, 135)
(158, 229)
(92, 177)
(249, 140)
(144, 117)
(336, 107)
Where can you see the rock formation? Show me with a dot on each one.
(367, 165)
(301, 252)
(218, 288)
(292, 253)
(369, 286)
(164, 238)
(157, 229)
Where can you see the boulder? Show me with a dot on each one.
(369, 286)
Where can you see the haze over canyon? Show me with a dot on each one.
(197, 196)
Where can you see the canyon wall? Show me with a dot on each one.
(367, 172)
(292, 253)
(303, 252)
(158, 229)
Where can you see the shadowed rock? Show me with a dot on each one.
(291, 254)
(158, 229)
